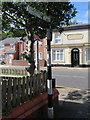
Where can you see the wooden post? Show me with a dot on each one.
(9, 93)
(23, 89)
(19, 91)
(4, 97)
(14, 92)
(27, 85)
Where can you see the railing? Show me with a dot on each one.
(13, 72)
(17, 90)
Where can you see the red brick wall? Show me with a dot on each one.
(16, 55)
(42, 63)
(20, 62)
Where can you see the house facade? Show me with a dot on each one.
(11, 50)
(40, 47)
(72, 46)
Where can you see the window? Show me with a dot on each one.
(88, 54)
(39, 43)
(11, 46)
(57, 55)
(2, 47)
(40, 55)
(57, 38)
(1, 56)
(34, 55)
(26, 41)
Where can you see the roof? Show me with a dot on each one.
(10, 40)
(74, 27)
(10, 51)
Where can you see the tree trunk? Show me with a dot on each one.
(30, 59)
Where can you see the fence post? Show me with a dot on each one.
(31, 86)
(4, 95)
(14, 92)
(23, 90)
(19, 91)
(9, 93)
(27, 86)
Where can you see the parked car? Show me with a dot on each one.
(2, 62)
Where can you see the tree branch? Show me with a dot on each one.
(14, 19)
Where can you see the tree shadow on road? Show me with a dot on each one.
(82, 95)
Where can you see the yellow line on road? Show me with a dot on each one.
(72, 88)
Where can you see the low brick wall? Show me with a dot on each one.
(26, 109)
(20, 62)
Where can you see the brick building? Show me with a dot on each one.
(11, 49)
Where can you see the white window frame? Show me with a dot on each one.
(40, 55)
(11, 46)
(57, 38)
(57, 52)
(2, 47)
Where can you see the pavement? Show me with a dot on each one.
(72, 104)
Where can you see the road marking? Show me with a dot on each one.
(70, 76)
(72, 88)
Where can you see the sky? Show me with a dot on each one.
(83, 15)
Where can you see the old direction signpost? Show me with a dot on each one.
(49, 39)
(38, 14)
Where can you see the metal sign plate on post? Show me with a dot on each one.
(38, 14)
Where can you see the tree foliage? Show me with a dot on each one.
(13, 33)
(73, 22)
(15, 14)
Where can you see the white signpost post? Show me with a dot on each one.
(49, 39)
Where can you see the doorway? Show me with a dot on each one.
(75, 57)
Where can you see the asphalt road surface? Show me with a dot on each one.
(72, 77)
(66, 76)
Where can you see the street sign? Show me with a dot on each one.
(38, 14)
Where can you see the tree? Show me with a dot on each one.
(73, 22)
(16, 14)
(13, 33)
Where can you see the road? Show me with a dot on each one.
(72, 77)
(66, 76)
